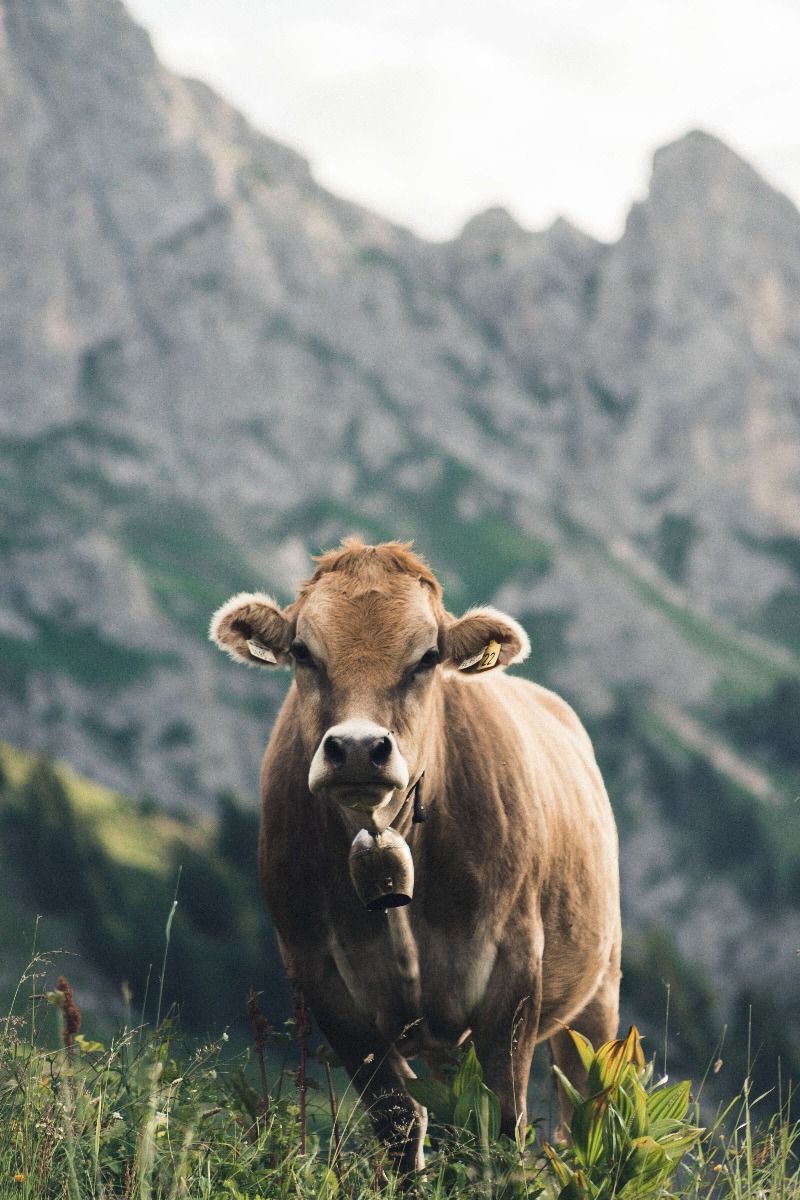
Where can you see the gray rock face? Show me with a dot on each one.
(209, 360)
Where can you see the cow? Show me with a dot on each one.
(437, 848)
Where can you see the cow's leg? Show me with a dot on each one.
(598, 1021)
(377, 1069)
(505, 1037)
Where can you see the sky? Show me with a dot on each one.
(429, 111)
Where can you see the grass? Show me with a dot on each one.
(153, 1116)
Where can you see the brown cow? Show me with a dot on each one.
(514, 925)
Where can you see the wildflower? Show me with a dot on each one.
(19, 1177)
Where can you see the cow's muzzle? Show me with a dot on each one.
(359, 764)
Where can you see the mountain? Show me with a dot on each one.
(212, 366)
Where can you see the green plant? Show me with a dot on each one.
(627, 1137)
(476, 1154)
(465, 1102)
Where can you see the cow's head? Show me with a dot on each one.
(367, 637)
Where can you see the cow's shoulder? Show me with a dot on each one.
(501, 699)
(539, 701)
(521, 740)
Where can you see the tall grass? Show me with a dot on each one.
(151, 1116)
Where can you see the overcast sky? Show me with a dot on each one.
(430, 110)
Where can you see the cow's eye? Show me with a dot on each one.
(301, 654)
(428, 661)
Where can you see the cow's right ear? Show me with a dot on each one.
(253, 629)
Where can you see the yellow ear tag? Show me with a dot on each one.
(489, 658)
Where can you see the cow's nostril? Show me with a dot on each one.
(380, 751)
(335, 751)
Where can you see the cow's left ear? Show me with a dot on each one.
(482, 639)
(253, 629)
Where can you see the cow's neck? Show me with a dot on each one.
(403, 813)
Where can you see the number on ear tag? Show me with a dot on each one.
(259, 650)
(490, 657)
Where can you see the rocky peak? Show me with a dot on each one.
(697, 156)
(706, 195)
(492, 227)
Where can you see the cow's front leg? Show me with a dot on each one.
(377, 1069)
(504, 1033)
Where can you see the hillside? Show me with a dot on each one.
(212, 366)
(90, 883)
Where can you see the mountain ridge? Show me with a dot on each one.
(180, 254)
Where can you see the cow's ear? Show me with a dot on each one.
(482, 639)
(253, 629)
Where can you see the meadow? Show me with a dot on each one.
(153, 1114)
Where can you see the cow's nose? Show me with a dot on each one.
(335, 750)
(380, 750)
(358, 755)
(354, 750)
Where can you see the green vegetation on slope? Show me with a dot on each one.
(749, 665)
(189, 565)
(103, 873)
(79, 652)
(473, 555)
(59, 474)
